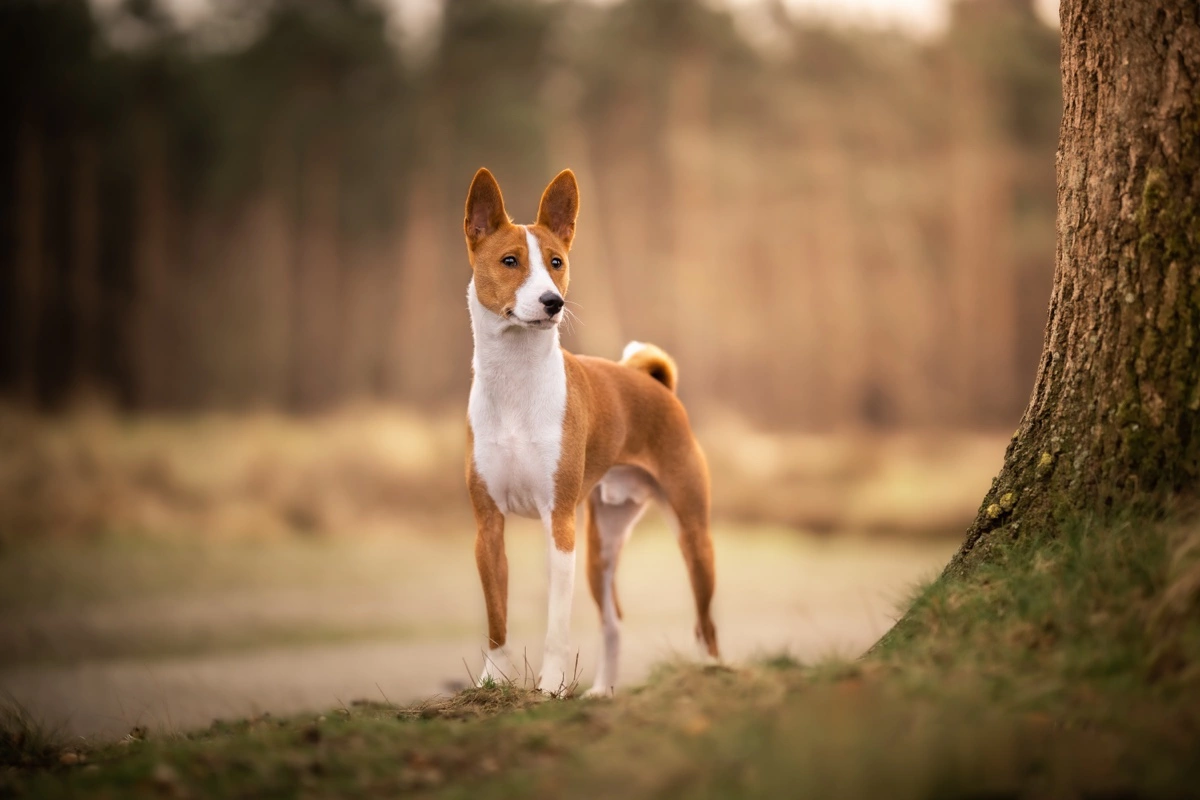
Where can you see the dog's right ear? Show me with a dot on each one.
(485, 208)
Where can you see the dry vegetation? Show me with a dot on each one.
(377, 470)
(220, 476)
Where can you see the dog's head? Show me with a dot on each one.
(521, 270)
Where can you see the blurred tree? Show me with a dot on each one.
(262, 208)
(52, 90)
(1001, 66)
(652, 122)
(480, 97)
(1114, 418)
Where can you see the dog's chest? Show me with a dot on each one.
(517, 426)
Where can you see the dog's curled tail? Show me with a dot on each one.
(653, 361)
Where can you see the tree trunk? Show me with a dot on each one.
(689, 134)
(85, 266)
(1112, 422)
(570, 142)
(152, 332)
(30, 269)
(317, 325)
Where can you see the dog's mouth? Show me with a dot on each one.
(533, 324)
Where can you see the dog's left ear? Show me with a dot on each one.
(560, 206)
(485, 208)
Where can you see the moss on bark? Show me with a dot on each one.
(1113, 423)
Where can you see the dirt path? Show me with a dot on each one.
(291, 627)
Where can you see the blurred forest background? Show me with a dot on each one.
(827, 227)
(845, 236)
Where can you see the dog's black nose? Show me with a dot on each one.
(552, 301)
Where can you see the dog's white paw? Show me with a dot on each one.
(554, 678)
(555, 689)
(703, 657)
(599, 691)
(497, 668)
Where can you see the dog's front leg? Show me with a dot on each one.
(558, 668)
(492, 562)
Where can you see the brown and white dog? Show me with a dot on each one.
(548, 430)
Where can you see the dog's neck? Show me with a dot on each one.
(509, 357)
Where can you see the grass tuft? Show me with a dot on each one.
(476, 702)
(26, 743)
(782, 661)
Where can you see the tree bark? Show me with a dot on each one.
(1112, 422)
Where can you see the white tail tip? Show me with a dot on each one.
(632, 348)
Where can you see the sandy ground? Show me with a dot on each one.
(99, 639)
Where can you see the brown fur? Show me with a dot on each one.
(490, 558)
(654, 361)
(616, 414)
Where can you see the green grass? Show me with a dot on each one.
(1095, 608)
(1071, 667)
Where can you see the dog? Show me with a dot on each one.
(548, 430)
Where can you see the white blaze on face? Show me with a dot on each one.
(529, 304)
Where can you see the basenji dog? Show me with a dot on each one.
(548, 430)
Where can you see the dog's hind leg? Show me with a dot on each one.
(686, 490)
(608, 529)
(612, 511)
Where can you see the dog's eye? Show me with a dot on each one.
(509, 261)
(556, 262)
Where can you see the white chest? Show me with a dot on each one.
(517, 459)
(518, 401)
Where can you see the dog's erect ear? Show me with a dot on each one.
(485, 208)
(560, 206)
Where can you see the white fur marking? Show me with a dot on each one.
(623, 484)
(518, 400)
(529, 304)
(497, 667)
(558, 668)
(623, 494)
(631, 349)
